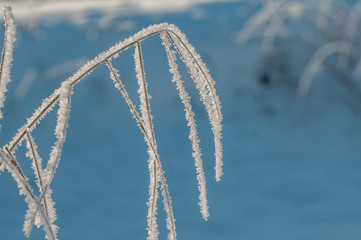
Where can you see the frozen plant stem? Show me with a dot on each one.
(33, 154)
(205, 85)
(147, 120)
(193, 135)
(155, 167)
(41, 209)
(7, 54)
(13, 167)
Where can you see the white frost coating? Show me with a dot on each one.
(7, 54)
(155, 168)
(65, 92)
(193, 135)
(2, 166)
(153, 198)
(25, 189)
(153, 186)
(113, 52)
(32, 153)
(142, 91)
(205, 85)
(47, 202)
(29, 221)
(83, 71)
(153, 193)
(147, 122)
(114, 75)
(46, 106)
(32, 216)
(167, 203)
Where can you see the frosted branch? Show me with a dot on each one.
(39, 173)
(193, 135)
(46, 215)
(155, 167)
(33, 202)
(205, 85)
(7, 53)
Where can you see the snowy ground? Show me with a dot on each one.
(292, 165)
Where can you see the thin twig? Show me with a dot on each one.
(4, 46)
(16, 164)
(38, 169)
(150, 124)
(56, 151)
(7, 53)
(145, 125)
(79, 77)
(21, 180)
(214, 96)
(214, 122)
(141, 126)
(193, 134)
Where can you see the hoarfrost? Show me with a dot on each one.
(41, 209)
(7, 54)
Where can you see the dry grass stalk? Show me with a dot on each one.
(41, 209)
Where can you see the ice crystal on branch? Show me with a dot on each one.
(41, 211)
